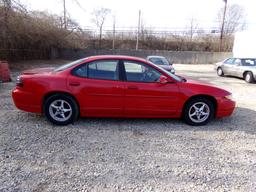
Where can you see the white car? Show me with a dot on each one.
(239, 67)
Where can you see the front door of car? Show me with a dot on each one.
(144, 95)
(97, 87)
(228, 65)
(234, 70)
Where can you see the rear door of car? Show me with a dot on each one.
(246, 65)
(144, 95)
(98, 88)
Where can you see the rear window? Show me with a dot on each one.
(68, 65)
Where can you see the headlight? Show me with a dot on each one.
(229, 97)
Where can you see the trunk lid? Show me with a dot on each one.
(38, 71)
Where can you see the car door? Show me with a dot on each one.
(234, 69)
(227, 66)
(98, 89)
(144, 95)
(246, 65)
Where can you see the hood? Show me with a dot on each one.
(202, 87)
(38, 70)
(199, 82)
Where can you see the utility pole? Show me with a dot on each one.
(114, 33)
(65, 14)
(138, 32)
(222, 26)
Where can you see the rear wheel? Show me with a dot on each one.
(198, 111)
(249, 77)
(220, 71)
(61, 109)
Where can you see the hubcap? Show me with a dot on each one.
(199, 112)
(219, 71)
(248, 78)
(60, 110)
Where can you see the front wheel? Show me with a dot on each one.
(61, 109)
(198, 111)
(220, 72)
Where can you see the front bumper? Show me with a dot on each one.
(225, 107)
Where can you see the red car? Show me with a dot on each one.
(118, 86)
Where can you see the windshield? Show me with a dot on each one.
(68, 65)
(159, 61)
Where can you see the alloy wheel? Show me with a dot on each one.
(199, 112)
(60, 110)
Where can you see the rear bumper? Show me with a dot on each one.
(26, 101)
(225, 107)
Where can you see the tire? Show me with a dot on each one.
(220, 72)
(61, 109)
(249, 77)
(201, 115)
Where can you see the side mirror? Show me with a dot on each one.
(163, 79)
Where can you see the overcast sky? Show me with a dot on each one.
(156, 14)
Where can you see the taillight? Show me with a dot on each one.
(19, 82)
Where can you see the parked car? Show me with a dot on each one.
(161, 62)
(239, 67)
(118, 86)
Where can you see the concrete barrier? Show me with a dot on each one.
(186, 57)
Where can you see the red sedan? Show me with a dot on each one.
(118, 86)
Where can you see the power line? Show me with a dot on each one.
(79, 5)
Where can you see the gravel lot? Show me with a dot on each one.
(130, 154)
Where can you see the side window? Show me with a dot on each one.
(80, 71)
(229, 61)
(248, 62)
(138, 72)
(237, 61)
(103, 69)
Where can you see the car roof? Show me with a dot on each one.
(123, 57)
(240, 58)
(155, 56)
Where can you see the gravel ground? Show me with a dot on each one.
(131, 154)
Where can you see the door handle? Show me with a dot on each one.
(133, 87)
(74, 83)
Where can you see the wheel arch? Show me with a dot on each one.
(49, 94)
(219, 67)
(205, 96)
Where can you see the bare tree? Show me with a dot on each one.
(99, 18)
(192, 27)
(6, 12)
(235, 19)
